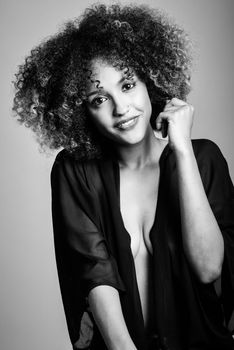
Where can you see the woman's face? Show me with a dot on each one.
(119, 106)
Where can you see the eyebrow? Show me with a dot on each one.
(95, 92)
(101, 88)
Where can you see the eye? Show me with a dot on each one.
(98, 101)
(128, 86)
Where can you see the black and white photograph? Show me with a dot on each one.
(117, 174)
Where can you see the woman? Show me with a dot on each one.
(143, 223)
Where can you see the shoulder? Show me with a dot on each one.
(64, 164)
(209, 157)
(208, 152)
(212, 165)
(205, 146)
(68, 160)
(67, 166)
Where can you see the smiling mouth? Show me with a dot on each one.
(126, 124)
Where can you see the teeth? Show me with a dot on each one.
(127, 124)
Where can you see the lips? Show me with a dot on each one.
(127, 123)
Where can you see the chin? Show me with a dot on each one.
(131, 138)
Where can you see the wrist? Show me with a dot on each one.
(184, 151)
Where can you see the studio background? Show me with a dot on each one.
(31, 311)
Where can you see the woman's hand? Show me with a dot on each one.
(202, 239)
(179, 116)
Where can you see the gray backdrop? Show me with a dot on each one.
(31, 309)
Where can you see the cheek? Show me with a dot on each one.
(143, 97)
(99, 119)
(146, 103)
(149, 104)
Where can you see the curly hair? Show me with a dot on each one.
(50, 85)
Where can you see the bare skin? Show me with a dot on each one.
(139, 180)
(138, 203)
(121, 110)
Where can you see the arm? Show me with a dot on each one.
(106, 308)
(202, 238)
(85, 264)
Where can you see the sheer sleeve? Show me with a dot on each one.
(82, 254)
(220, 192)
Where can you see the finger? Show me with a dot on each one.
(167, 114)
(173, 103)
(162, 125)
(158, 124)
(177, 102)
(168, 104)
(171, 108)
(163, 118)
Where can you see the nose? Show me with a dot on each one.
(121, 106)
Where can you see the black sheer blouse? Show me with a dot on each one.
(93, 248)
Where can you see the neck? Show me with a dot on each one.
(139, 155)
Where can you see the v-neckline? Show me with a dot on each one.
(161, 159)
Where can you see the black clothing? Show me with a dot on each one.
(93, 248)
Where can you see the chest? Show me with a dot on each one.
(138, 202)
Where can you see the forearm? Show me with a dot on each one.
(202, 238)
(106, 309)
